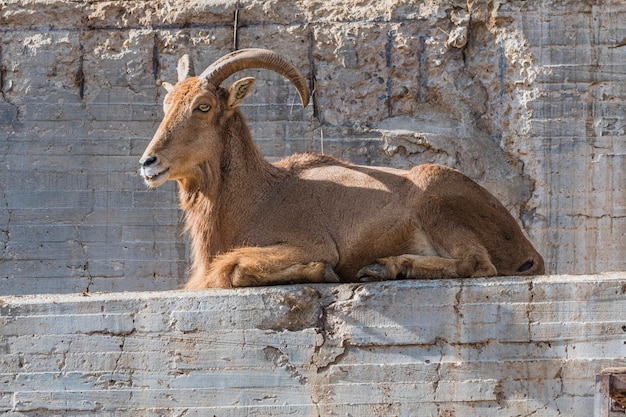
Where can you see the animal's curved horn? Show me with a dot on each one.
(242, 59)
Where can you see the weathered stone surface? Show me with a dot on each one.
(524, 97)
(485, 347)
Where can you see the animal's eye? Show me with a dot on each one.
(203, 108)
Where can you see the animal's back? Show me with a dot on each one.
(301, 161)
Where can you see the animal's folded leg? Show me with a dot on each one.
(245, 267)
(410, 267)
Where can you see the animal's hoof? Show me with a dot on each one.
(330, 275)
(373, 272)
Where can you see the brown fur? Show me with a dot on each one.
(313, 218)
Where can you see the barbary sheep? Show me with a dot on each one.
(311, 217)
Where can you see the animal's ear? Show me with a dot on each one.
(238, 91)
(185, 68)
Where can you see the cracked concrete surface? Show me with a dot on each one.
(489, 347)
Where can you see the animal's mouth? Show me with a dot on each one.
(154, 179)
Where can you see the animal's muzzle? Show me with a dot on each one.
(152, 172)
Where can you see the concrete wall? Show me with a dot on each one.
(525, 97)
(500, 347)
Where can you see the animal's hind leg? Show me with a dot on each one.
(253, 266)
(469, 259)
(409, 266)
(422, 267)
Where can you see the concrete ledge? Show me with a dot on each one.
(488, 347)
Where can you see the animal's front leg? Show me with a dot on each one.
(273, 265)
(249, 276)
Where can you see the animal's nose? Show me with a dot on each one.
(148, 161)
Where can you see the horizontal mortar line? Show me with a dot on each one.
(577, 322)
(116, 28)
(224, 24)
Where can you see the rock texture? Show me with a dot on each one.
(524, 97)
(486, 347)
